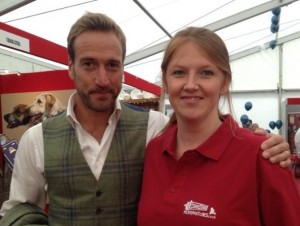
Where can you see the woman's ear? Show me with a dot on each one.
(225, 86)
(165, 89)
(164, 85)
(224, 90)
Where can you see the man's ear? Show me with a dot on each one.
(71, 70)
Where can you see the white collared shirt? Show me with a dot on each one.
(28, 182)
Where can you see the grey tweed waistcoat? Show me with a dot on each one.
(76, 197)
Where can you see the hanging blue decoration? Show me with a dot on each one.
(274, 28)
(278, 124)
(276, 11)
(248, 105)
(275, 24)
(275, 19)
(272, 124)
(244, 119)
(273, 44)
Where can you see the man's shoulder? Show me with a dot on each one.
(158, 115)
(55, 121)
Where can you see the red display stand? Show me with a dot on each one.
(291, 113)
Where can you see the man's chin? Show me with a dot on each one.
(103, 106)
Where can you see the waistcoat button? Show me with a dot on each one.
(98, 193)
(98, 211)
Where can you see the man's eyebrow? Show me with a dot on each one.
(87, 58)
(114, 61)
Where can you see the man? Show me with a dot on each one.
(88, 161)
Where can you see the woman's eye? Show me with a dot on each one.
(207, 72)
(178, 72)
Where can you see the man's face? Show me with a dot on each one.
(97, 69)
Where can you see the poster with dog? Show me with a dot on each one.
(22, 110)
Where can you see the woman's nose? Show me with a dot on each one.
(191, 81)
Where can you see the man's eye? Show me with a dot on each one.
(113, 66)
(88, 64)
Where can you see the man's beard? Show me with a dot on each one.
(100, 106)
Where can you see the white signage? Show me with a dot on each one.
(14, 41)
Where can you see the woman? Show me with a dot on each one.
(204, 169)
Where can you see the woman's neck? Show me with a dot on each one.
(192, 134)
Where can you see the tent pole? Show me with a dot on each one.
(280, 85)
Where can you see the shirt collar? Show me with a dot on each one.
(71, 117)
(213, 147)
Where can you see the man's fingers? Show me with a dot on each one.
(285, 164)
(283, 158)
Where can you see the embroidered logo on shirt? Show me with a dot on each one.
(199, 209)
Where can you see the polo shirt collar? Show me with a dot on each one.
(213, 147)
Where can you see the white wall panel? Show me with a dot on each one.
(15, 62)
(291, 65)
(258, 71)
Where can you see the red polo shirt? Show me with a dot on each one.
(225, 181)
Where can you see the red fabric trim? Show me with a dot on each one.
(33, 82)
(38, 46)
(293, 101)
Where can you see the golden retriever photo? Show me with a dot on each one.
(46, 105)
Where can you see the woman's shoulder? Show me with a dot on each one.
(242, 135)
(245, 135)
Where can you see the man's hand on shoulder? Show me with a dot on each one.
(275, 148)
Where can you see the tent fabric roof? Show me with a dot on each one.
(148, 25)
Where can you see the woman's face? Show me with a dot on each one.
(194, 84)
